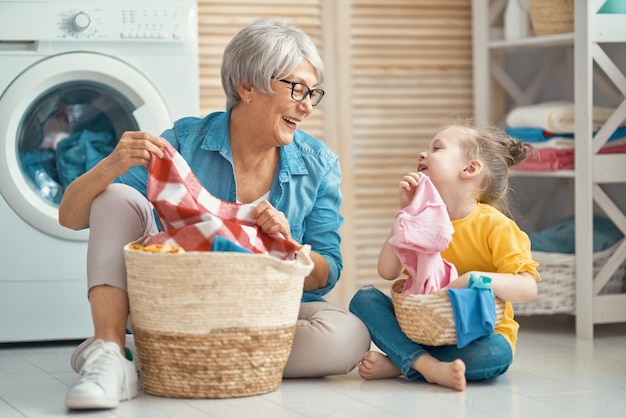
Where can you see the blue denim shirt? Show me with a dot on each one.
(306, 187)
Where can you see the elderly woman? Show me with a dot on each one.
(251, 153)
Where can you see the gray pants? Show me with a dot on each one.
(329, 340)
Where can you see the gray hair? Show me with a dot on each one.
(266, 50)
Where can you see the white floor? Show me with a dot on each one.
(554, 375)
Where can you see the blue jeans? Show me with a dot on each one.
(484, 358)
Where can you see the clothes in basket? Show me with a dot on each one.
(421, 231)
(192, 217)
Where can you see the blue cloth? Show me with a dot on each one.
(474, 314)
(80, 152)
(306, 187)
(40, 166)
(484, 358)
(541, 135)
(529, 134)
(226, 245)
(480, 282)
(559, 237)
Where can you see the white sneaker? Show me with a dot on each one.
(78, 359)
(107, 378)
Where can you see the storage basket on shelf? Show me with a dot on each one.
(556, 292)
(428, 319)
(550, 17)
(213, 324)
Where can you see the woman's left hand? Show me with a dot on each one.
(271, 220)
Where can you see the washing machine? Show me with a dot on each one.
(74, 75)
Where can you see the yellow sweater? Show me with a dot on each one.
(486, 240)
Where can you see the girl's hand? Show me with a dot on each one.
(271, 220)
(408, 187)
(134, 148)
(517, 288)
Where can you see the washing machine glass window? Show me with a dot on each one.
(66, 131)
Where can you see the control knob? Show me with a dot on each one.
(80, 21)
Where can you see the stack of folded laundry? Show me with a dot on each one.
(560, 236)
(549, 127)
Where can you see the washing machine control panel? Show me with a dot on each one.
(153, 20)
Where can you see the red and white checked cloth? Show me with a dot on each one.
(191, 216)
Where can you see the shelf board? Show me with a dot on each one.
(608, 29)
(532, 42)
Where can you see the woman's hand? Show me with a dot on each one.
(271, 220)
(408, 187)
(133, 149)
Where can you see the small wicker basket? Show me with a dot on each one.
(556, 293)
(550, 17)
(213, 324)
(428, 319)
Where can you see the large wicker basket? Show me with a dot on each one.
(556, 292)
(550, 17)
(428, 319)
(213, 324)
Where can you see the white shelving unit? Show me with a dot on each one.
(584, 50)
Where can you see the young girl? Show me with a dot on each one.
(469, 167)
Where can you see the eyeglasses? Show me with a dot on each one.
(300, 91)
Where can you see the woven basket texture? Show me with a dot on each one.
(213, 324)
(556, 293)
(428, 319)
(550, 17)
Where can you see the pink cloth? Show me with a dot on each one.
(421, 231)
(548, 159)
(191, 216)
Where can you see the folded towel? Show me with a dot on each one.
(559, 237)
(538, 136)
(556, 117)
(546, 159)
(529, 134)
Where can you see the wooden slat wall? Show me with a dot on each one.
(398, 68)
(411, 67)
(219, 21)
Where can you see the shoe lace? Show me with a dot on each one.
(99, 360)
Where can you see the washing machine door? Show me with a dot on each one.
(59, 118)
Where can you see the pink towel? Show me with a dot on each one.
(560, 159)
(191, 216)
(421, 231)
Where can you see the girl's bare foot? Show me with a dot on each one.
(376, 365)
(448, 374)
